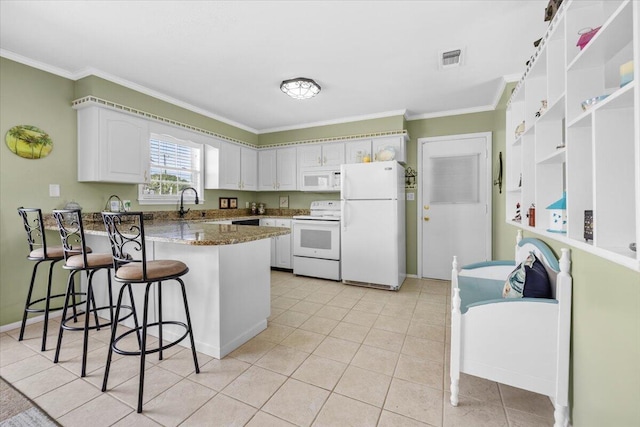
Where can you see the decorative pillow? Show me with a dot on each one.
(529, 279)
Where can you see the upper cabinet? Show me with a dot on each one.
(573, 128)
(389, 148)
(237, 167)
(112, 146)
(328, 154)
(376, 149)
(277, 169)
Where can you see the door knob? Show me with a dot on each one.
(426, 218)
(426, 207)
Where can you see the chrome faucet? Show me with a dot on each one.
(182, 212)
(107, 206)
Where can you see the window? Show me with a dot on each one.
(175, 164)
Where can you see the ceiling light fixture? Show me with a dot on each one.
(300, 88)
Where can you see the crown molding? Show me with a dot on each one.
(161, 96)
(86, 72)
(337, 121)
(36, 64)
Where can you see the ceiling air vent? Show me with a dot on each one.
(450, 58)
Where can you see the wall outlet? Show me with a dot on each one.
(411, 196)
(54, 190)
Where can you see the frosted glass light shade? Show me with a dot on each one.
(300, 88)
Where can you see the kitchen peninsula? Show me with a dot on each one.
(228, 284)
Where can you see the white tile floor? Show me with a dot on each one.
(333, 355)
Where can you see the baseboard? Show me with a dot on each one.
(212, 350)
(15, 325)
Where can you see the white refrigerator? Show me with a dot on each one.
(373, 238)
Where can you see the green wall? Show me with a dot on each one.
(385, 124)
(605, 384)
(113, 92)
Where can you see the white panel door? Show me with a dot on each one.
(286, 169)
(396, 142)
(229, 166)
(333, 154)
(355, 151)
(456, 202)
(309, 156)
(125, 148)
(283, 246)
(267, 170)
(249, 169)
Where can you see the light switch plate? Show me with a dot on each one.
(54, 190)
(411, 196)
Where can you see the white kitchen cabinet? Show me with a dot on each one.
(112, 146)
(283, 246)
(329, 154)
(248, 169)
(357, 150)
(277, 169)
(267, 170)
(270, 222)
(287, 169)
(593, 156)
(281, 251)
(237, 167)
(396, 142)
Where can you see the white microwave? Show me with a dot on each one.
(317, 179)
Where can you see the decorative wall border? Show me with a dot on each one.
(78, 103)
(119, 107)
(338, 138)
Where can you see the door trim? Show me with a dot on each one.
(489, 188)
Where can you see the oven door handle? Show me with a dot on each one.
(315, 222)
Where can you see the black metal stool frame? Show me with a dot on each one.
(125, 236)
(36, 237)
(71, 230)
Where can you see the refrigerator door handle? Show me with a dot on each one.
(344, 215)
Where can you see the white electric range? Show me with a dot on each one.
(316, 241)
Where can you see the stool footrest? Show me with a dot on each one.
(153, 350)
(98, 326)
(42, 310)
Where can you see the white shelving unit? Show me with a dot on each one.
(593, 155)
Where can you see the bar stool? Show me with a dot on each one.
(78, 258)
(39, 252)
(126, 234)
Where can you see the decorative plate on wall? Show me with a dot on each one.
(29, 142)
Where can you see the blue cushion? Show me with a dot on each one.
(475, 289)
(529, 280)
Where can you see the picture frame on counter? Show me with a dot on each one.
(228, 228)
(223, 202)
(233, 203)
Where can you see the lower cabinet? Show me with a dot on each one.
(281, 253)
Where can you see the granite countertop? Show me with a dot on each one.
(193, 232)
(197, 227)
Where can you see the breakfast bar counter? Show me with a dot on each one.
(194, 232)
(228, 284)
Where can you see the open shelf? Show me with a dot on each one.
(591, 156)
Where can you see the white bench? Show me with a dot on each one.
(521, 342)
